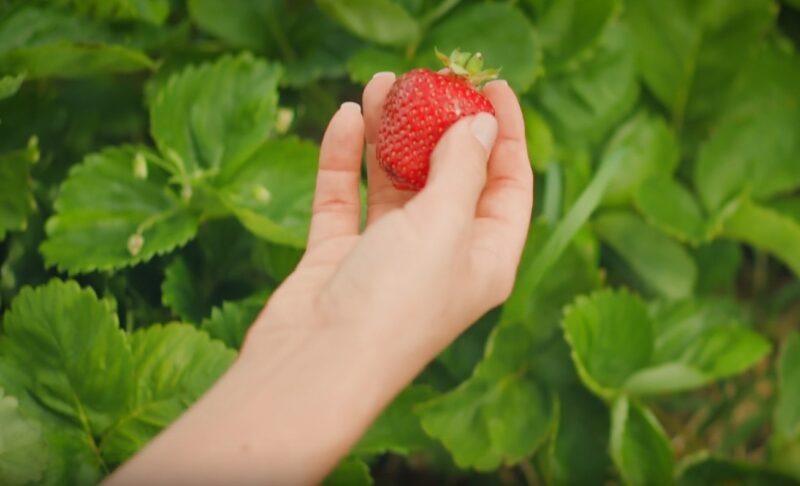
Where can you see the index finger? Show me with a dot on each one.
(382, 197)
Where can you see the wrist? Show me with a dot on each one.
(326, 385)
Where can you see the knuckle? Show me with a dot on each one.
(335, 205)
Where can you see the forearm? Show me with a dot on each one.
(285, 413)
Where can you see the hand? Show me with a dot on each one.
(427, 265)
(363, 313)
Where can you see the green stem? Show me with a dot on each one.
(515, 308)
(129, 322)
(411, 49)
(760, 271)
(280, 38)
(685, 87)
(438, 12)
(553, 190)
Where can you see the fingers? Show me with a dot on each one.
(504, 209)
(382, 197)
(336, 209)
(458, 170)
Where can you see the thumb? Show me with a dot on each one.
(458, 163)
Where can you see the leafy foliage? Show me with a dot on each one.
(651, 337)
(23, 454)
(15, 192)
(58, 337)
(639, 445)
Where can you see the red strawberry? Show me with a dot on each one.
(420, 107)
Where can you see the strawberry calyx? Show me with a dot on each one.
(468, 65)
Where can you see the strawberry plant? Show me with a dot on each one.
(157, 167)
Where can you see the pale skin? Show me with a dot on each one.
(364, 311)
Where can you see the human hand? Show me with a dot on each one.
(428, 264)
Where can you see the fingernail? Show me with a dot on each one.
(497, 82)
(383, 74)
(484, 128)
(350, 105)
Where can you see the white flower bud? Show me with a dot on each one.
(135, 244)
(139, 166)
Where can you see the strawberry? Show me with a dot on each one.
(420, 107)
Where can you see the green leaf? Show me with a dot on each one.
(218, 266)
(765, 229)
(9, 85)
(174, 364)
(663, 265)
(271, 193)
(697, 342)
(23, 452)
(51, 42)
(115, 210)
(352, 471)
(787, 409)
(15, 188)
(789, 206)
(752, 147)
(679, 324)
(308, 43)
(230, 322)
(467, 30)
(688, 49)
(459, 359)
(650, 148)
(370, 60)
(380, 21)
(62, 336)
(240, 23)
(277, 261)
(718, 264)
(501, 415)
(211, 118)
(670, 207)
(611, 336)
(155, 11)
(639, 446)
(67, 60)
(705, 470)
(398, 428)
(570, 30)
(180, 294)
(576, 453)
(725, 352)
(32, 26)
(539, 136)
(72, 458)
(583, 104)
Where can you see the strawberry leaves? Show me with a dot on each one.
(123, 195)
(98, 393)
(215, 159)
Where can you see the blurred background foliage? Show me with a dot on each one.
(157, 164)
